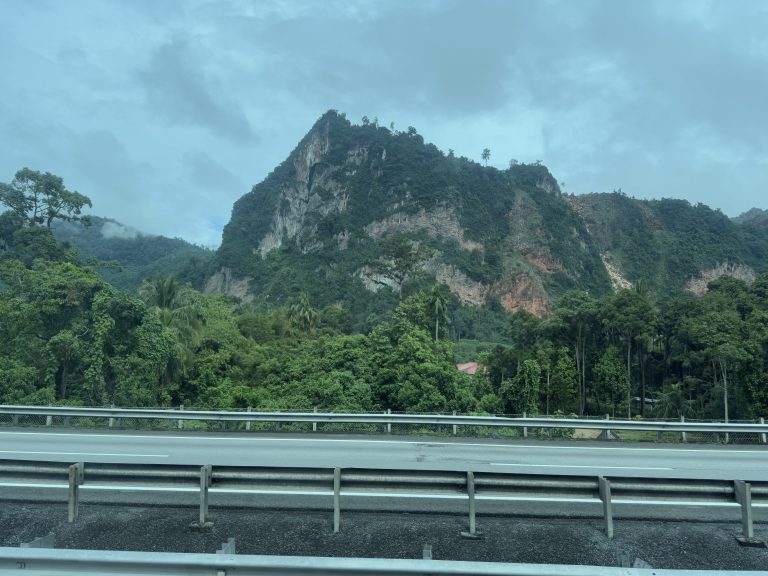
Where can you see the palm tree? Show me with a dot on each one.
(178, 311)
(438, 306)
(174, 303)
(302, 314)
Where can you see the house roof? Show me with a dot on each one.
(467, 367)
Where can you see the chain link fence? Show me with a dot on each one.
(181, 425)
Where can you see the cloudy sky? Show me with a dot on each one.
(165, 112)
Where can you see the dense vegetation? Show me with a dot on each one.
(366, 174)
(666, 242)
(125, 257)
(68, 336)
(632, 353)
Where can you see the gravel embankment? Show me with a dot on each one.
(662, 544)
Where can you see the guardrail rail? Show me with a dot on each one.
(115, 416)
(346, 483)
(53, 561)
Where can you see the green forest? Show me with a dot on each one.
(69, 337)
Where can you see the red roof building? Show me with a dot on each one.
(468, 368)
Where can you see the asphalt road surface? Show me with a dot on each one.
(478, 455)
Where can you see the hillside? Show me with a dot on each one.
(127, 256)
(328, 219)
(357, 216)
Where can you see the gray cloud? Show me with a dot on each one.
(179, 90)
(207, 173)
(115, 230)
(153, 108)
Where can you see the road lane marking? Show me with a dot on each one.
(691, 450)
(601, 467)
(82, 454)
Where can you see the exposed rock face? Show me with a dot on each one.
(525, 294)
(300, 197)
(526, 231)
(699, 285)
(317, 223)
(375, 281)
(468, 291)
(439, 222)
(618, 282)
(222, 282)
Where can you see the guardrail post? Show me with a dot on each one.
(48, 420)
(683, 437)
(76, 477)
(389, 424)
(472, 533)
(606, 434)
(426, 553)
(336, 499)
(314, 424)
(604, 488)
(454, 426)
(248, 422)
(525, 428)
(762, 436)
(181, 422)
(111, 419)
(743, 493)
(206, 473)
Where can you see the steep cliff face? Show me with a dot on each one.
(358, 215)
(671, 244)
(321, 222)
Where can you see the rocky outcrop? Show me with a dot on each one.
(375, 281)
(440, 222)
(699, 284)
(222, 282)
(525, 235)
(618, 282)
(526, 293)
(312, 190)
(468, 291)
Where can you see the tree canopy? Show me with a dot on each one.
(40, 198)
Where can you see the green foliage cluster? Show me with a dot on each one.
(666, 242)
(69, 337)
(126, 261)
(637, 353)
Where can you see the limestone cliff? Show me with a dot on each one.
(332, 217)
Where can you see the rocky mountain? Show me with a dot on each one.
(671, 244)
(357, 215)
(126, 257)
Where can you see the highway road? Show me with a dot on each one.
(479, 455)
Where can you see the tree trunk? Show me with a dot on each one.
(629, 378)
(724, 369)
(584, 374)
(437, 323)
(63, 382)
(643, 357)
(577, 353)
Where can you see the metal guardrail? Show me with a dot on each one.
(66, 562)
(414, 419)
(354, 483)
